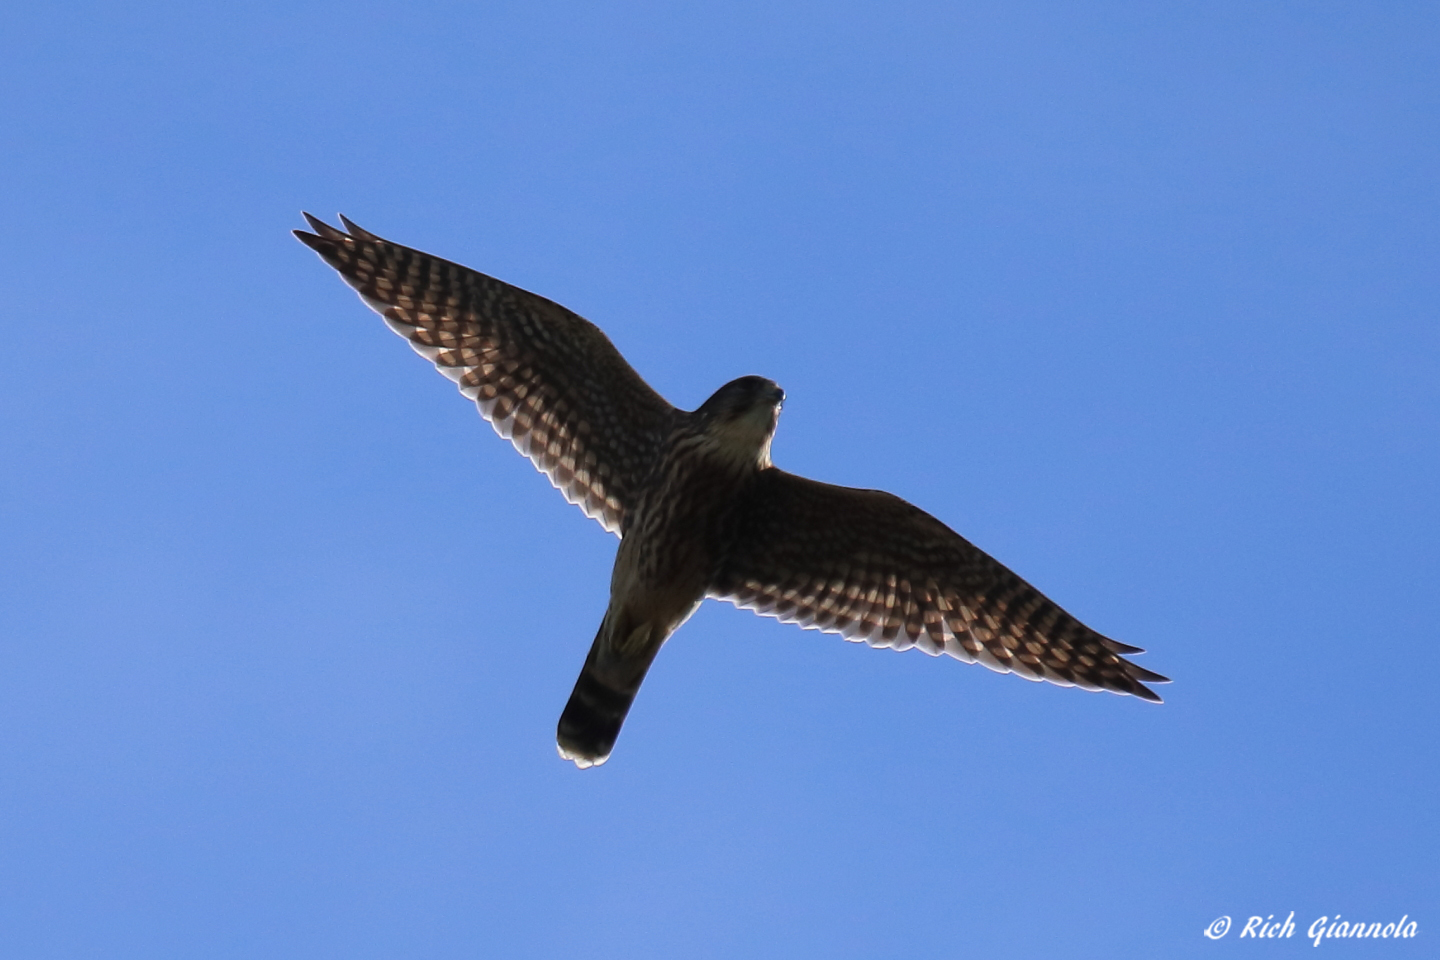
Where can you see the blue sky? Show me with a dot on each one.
(1139, 298)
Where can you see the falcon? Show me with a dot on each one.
(699, 508)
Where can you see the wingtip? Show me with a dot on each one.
(318, 244)
(1142, 692)
(356, 231)
(324, 230)
(1148, 676)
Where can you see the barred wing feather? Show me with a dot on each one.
(548, 380)
(872, 567)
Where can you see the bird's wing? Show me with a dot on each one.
(868, 565)
(546, 379)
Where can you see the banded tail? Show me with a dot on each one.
(607, 686)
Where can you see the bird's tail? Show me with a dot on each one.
(618, 660)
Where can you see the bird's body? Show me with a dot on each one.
(670, 549)
(700, 508)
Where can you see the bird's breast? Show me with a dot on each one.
(669, 541)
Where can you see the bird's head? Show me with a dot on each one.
(738, 421)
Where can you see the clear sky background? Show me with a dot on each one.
(1141, 298)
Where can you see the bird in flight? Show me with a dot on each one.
(699, 508)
